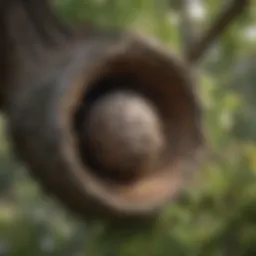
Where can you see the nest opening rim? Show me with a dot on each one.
(153, 190)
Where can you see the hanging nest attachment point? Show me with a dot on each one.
(112, 135)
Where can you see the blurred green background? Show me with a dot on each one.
(216, 215)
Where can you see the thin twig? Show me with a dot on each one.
(188, 27)
(199, 48)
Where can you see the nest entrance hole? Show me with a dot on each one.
(125, 160)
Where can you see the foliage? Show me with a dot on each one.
(217, 214)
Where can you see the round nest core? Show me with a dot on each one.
(120, 135)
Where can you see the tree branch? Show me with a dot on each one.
(44, 20)
(200, 47)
